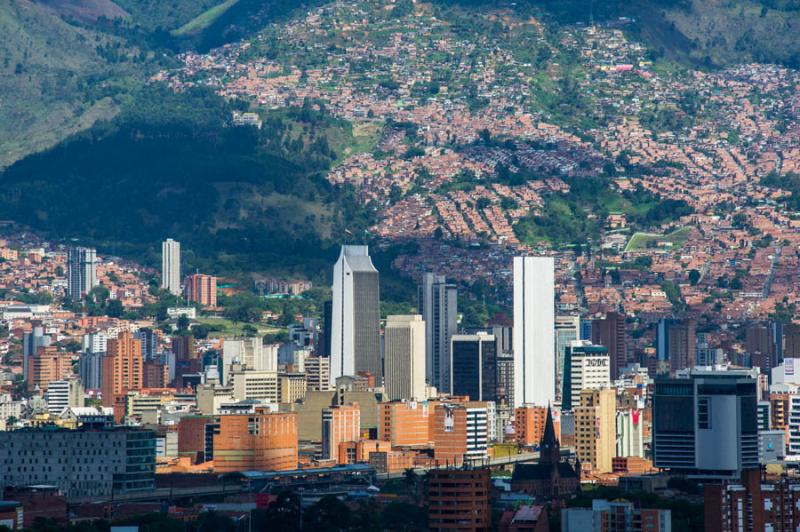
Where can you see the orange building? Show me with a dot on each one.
(449, 434)
(339, 424)
(122, 368)
(263, 441)
(48, 365)
(529, 424)
(458, 499)
(404, 423)
(201, 289)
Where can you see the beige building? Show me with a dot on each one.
(318, 371)
(595, 429)
(259, 385)
(291, 387)
(405, 357)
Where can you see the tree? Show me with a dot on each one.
(329, 514)
(694, 277)
(283, 514)
(114, 309)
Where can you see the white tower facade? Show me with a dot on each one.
(404, 344)
(355, 324)
(171, 266)
(534, 337)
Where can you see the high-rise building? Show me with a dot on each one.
(262, 440)
(31, 342)
(474, 363)
(90, 369)
(568, 329)
(340, 424)
(529, 424)
(63, 394)
(81, 271)
(318, 373)
(404, 351)
(610, 332)
(595, 429)
(460, 432)
(201, 289)
(676, 342)
(630, 433)
(122, 368)
(438, 305)
(587, 367)
(355, 325)
(459, 499)
(324, 339)
(149, 342)
(250, 353)
(171, 266)
(534, 342)
(705, 423)
(46, 366)
(251, 384)
(291, 387)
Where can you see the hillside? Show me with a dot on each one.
(172, 164)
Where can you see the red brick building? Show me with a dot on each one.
(458, 499)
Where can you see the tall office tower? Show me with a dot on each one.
(251, 353)
(171, 266)
(96, 342)
(676, 342)
(474, 362)
(81, 271)
(149, 342)
(610, 332)
(534, 339)
(340, 424)
(568, 329)
(355, 338)
(587, 367)
(630, 433)
(31, 342)
(201, 289)
(705, 423)
(438, 304)
(404, 351)
(90, 369)
(595, 429)
(318, 374)
(67, 393)
(324, 339)
(122, 368)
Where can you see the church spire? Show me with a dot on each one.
(549, 448)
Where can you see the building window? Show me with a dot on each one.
(703, 413)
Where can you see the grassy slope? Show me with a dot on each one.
(45, 64)
(165, 14)
(205, 19)
(639, 241)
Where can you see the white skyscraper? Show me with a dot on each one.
(355, 334)
(81, 271)
(438, 305)
(534, 338)
(171, 266)
(404, 343)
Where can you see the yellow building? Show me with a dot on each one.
(595, 429)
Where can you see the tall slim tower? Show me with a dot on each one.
(404, 343)
(534, 338)
(438, 305)
(81, 271)
(568, 329)
(355, 324)
(171, 266)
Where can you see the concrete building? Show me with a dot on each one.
(318, 371)
(459, 499)
(31, 342)
(405, 423)
(610, 332)
(63, 394)
(473, 358)
(630, 433)
(676, 343)
(201, 289)
(355, 330)
(46, 366)
(81, 271)
(568, 329)
(263, 440)
(404, 352)
(705, 423)
(530, 422)
(171, 266)
(254, 385)
(340, 424)
(123, 369)
(595, 429)
(534, 341)
(460, 432)
(291, 387)
(615, 516)
(81, 463)
(587, 368)
(438, 305)
(249, 353)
